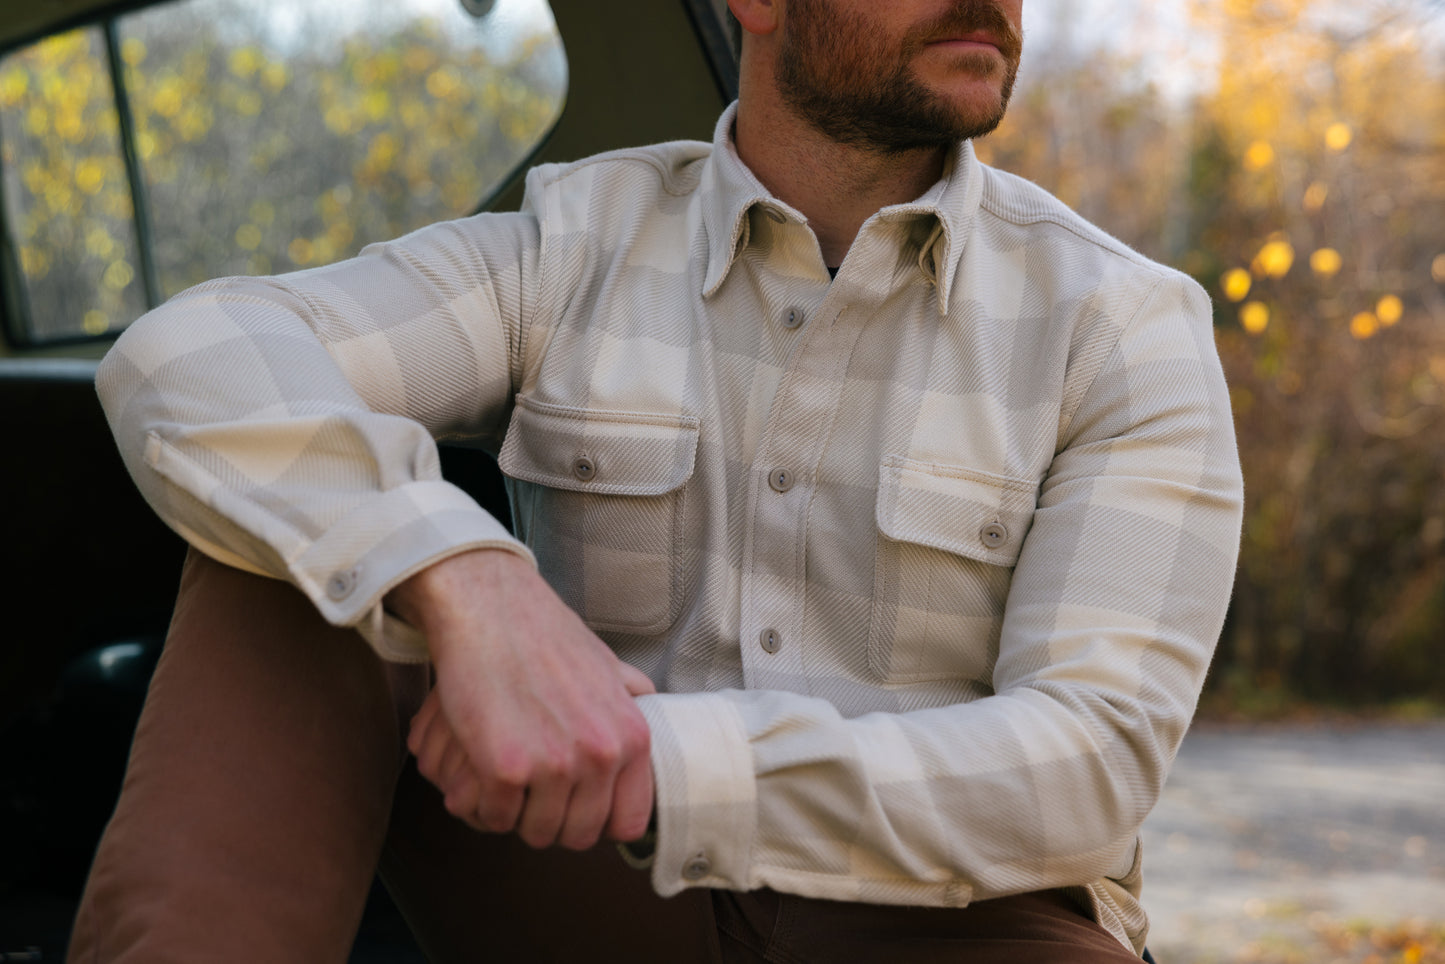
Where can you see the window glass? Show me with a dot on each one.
(273, 137)
(67, 199)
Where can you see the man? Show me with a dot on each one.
(885, 515)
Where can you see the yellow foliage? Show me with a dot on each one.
(13, 85)
(399, 111)
(37, 121)
(1315, 196)
(245, 61)
(248, 237)
(1364, 325)
(34, 261)
(275, 77)
(382, 151)
(195, 121)
(133, 51)
(340, 121)
(69, 126)
(1326, 262)
(377, 104)
(443, 83)
(90, 175)
(99, 243)
(1437, 269)
(1338, 136)
(118, 275)
(1389, 310)
(249, 104)
(340, 234)
(1274, 259)
(1254, 317)
(1236, 283)
(169, 96)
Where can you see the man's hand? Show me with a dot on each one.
(532, 725)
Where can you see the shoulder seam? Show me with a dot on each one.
(554, 173)
(1094, 235)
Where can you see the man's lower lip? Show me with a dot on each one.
(963, 45)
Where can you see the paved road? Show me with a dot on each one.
(1265, 833)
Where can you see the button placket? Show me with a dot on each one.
(789, 451)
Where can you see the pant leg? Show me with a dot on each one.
(474, 897)
(258, 791)
(1040, 928)
(259, 795)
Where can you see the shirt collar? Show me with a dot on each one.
(730, 191)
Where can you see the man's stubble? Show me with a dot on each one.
(837, 73)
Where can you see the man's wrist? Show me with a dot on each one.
(422, 598)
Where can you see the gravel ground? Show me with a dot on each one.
(1270, 841)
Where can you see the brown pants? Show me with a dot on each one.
(268, 781)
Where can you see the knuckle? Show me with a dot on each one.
(599, 751)
(494, 821)
(427, 767)
(637, 736)
(580, 840)
(536, 839)
(456, 805)
(512, 768)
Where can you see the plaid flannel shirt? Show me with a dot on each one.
(927, 560)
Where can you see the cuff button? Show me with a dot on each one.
(697, 867)
(340, 585)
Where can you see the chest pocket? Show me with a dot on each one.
(597, 496)
(948, 540)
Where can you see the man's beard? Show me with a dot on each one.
(832, 71)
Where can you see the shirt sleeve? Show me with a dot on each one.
(1115, 606)
(286, 425)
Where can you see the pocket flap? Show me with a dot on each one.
(968, 513)
(610, 453)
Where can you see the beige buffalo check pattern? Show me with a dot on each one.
(927, 560)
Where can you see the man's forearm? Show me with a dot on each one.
(533, 726)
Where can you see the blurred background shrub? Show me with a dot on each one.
(1290, 155)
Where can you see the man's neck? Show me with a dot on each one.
(836, 186)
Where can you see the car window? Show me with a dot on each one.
(262, 138)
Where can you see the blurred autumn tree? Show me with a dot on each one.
(1305, 188)
(270, 138)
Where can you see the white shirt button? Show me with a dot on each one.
(584, 468)
(771, 640)
(993, 535)
(792, 317)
